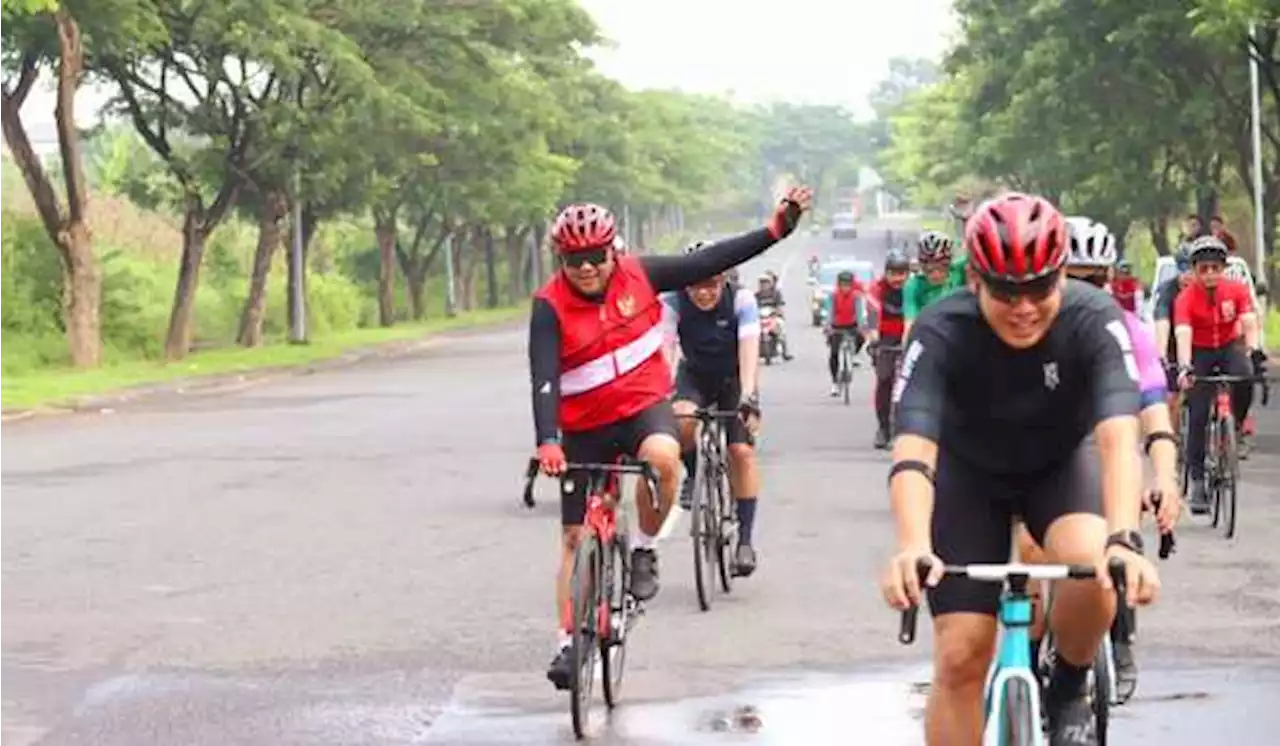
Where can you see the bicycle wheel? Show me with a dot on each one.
(700, 531)
(846, 377)
(1102, 690)
(1212, 477)
(726, 517)
(1020, 724)
(1229, 473)
(617, 619)
(586, 599)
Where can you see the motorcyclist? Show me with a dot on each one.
(769, 295)
(815, 265)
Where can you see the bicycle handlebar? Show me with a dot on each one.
(627, 465)
(998, 573)
(702, 414)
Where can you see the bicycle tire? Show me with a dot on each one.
(1230, 469)
(725, 516)
(1020, 724)
(613, 648)
(585, 600)
(1212, 482)
(846, 377)
(1102, 693)
(697, 531)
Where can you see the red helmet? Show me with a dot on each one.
(582, 227)
(1016, 238)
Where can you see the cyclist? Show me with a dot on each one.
(769, 295)
(1000, 388)
(940, 274)
(885, 327)
(718, 328)
(599, 379)
(1090, 257)
(843, 311)
(1126, 288)
(1166, 293)
(815, 265)
(1209, 317)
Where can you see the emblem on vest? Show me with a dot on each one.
(626, 305)
(1051, 376)
(1228, 310)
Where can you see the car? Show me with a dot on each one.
(844, 225)
(820, 287)
(1237, 268)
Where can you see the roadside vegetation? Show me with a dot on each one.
(420, 145)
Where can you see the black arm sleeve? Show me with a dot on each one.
(675, 272)
(544, 369)
(1113, 367)
(919, 394)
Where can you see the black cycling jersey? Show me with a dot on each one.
(1008, 411)
(669, 272)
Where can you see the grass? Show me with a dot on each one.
(52, 387)
(1271, 329)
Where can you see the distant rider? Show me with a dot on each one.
(844, 309)
(884, 334)
(769, 295)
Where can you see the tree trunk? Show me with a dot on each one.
(177, 340)
(471, 260)
(310, 224)
(385, 229)
(516, 240)
(274, 207)
(69, 233)
(490, 270)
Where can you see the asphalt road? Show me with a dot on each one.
(341, 559)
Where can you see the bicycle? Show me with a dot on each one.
(1014, 715)
(713, 521)
(604, 610)
(1221, 454)
(844, 373)
(894, 350)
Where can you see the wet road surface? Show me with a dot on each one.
(341, 559)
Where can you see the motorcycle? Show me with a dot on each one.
(770, 334)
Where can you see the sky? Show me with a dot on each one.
(804, 51)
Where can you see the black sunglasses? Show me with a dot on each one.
(1009, 292)
(595, 257)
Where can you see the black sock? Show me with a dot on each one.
(690, 459)
(1035, 655)
(1067, 681)
(746, 509)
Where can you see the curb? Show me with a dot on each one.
(216, 384)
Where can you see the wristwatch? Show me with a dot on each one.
(1129, 539)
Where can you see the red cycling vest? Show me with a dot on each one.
(611, 361)
(844, 307)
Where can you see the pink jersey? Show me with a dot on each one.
(1151, 381)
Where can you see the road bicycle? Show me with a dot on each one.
(1014, 715)
(604, 611)
(844, 371)
(1221, 453)
(894, 350)
(713, 521)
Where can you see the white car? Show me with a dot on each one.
(844, 225)
(1237, 269)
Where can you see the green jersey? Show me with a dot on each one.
(919, 292)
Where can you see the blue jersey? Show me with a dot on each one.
(709, 339)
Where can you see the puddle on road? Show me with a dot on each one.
(1182, 707)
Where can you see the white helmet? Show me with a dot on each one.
(1090, 244)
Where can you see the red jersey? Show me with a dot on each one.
(1214, 320)
(611, 361)
(844, 305)
(1125, 291)
(888, 303)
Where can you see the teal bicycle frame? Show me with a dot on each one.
(1017, 722)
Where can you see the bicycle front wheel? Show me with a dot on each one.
(700, 531)
(725, 517)
(1103, 689)
(1229, 473)
(586, 601)
(614, 626)
(1020, 724)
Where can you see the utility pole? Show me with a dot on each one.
(297, 299)
(450, 301)
(1260, 250)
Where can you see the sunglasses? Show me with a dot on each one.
(595, 257)
(1007, 292)
(1210, 268)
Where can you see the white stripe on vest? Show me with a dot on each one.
(609, 366)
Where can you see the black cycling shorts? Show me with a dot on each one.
(974, 513)
(603, 446)
(724, 393)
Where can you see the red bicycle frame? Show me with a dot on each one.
(1222, 404)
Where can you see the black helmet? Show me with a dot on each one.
(1208, 248)
(896, 261)
(845, 276)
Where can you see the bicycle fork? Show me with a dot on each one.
(1013, 664)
